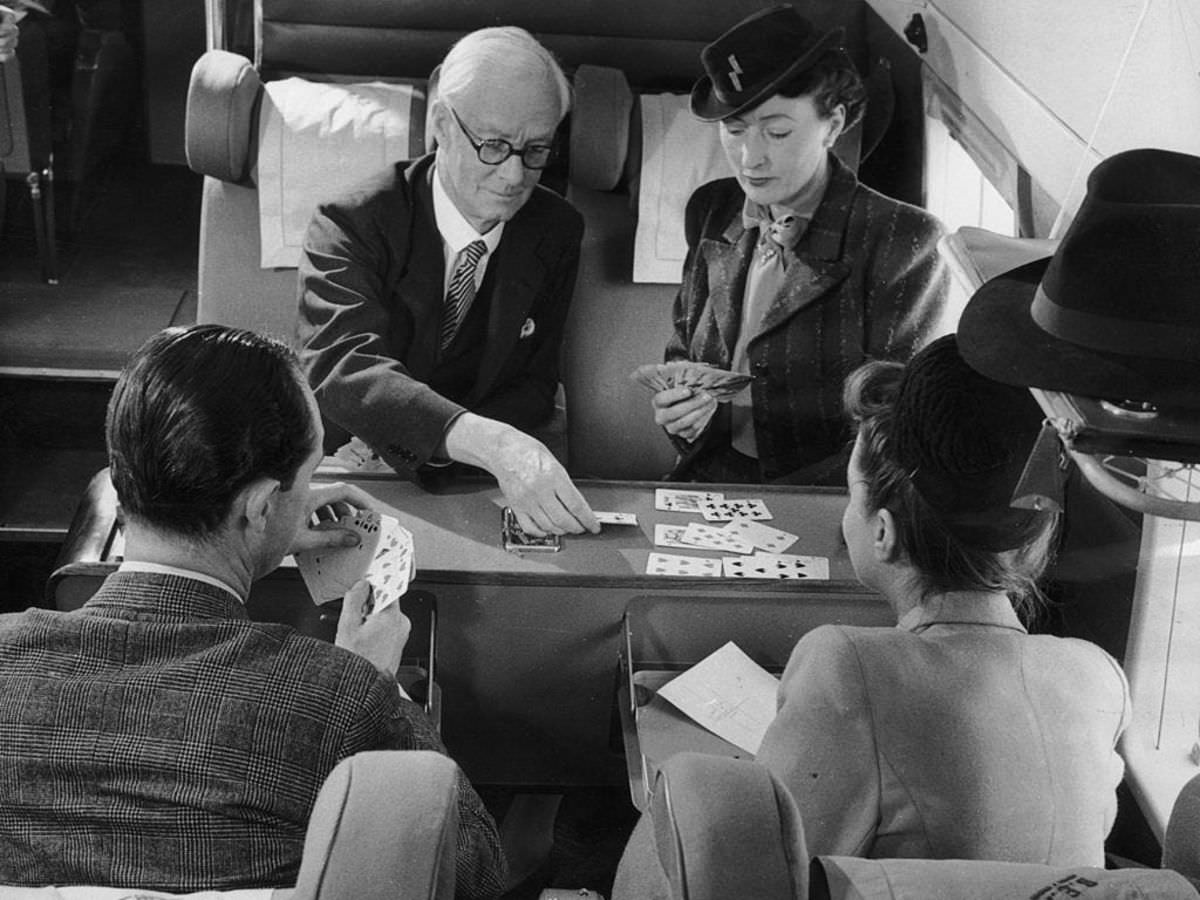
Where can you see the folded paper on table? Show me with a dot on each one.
(316, 140)
(729, 694)
(679, 153)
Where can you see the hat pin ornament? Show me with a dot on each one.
(735, 69)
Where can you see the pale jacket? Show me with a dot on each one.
(954, 735)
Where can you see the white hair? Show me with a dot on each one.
(511, 50)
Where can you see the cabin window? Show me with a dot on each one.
(957, 191)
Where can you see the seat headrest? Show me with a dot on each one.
(600, 127)
(222, 97)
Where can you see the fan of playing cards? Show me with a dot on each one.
(721, 383)
(384, 557)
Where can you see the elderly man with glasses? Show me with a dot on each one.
(433, 296)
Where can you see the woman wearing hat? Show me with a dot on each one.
(955, 735)
(796, 273)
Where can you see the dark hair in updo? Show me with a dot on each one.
(830, 81)
(964, 536)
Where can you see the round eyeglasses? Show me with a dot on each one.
(494, 151)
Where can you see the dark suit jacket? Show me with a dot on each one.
(371, 303)
(864, 282)
(158, 738)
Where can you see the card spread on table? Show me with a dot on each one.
(384, 557)
(775, 565)
(710, 537)
(670, 564)
(764, 537)
(670, 536)
(726, 510)
(615, 518)
(672, 500)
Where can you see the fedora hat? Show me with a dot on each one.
(1115, 313)
(753, 59)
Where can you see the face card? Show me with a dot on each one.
(514, 539)
(670, 536)
(764, 537)
(330, 573)
(710, 537)
(670, 564)
(615, 518)
(726, 510)
(671, 500)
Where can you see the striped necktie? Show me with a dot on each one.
(462, 290)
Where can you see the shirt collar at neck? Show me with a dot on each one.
(455, 230)
(159, 569)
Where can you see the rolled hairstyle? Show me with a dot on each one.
(831, 80)
(197, 415)
(942, 449)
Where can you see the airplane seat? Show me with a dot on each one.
(716, 827)
(615, 324)
(384, 825)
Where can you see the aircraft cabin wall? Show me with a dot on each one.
(1039, 92)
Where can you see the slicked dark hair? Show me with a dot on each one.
(831, 80)
(197, 415)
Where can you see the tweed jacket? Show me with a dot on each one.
(864, 282)
(158, 738)
(955, 735)
(371, 299)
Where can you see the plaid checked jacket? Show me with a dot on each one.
(158, 738)
(864, 282)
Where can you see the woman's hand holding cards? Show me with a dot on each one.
(378, 636)
(684, 411)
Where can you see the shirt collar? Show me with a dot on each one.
(455, 230)
(962, 608)
(158, 569)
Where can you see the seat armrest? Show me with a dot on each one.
(222, 105)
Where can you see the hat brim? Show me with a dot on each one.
(708, 107)
(998, 337)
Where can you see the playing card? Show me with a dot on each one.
(710, 537)
(649, 376)
(615, 518)
(670, 564)
(384, 557)
(672, 500)
(392, 566)
(764, 537)
(722, 384)
(670, 536)
(726, 510)
(330, 573)
(816, 567)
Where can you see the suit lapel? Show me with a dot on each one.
(420, 284)
(512, 280)
(728, 260)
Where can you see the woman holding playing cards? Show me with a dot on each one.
(956, 734)
(796, 272)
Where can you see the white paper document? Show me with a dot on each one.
(729, 694)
